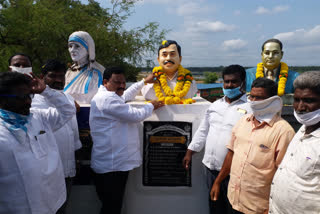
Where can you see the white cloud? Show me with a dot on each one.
(237, 12)
(153, 1)
(190, 8)
(166, 2)
(207, 26)
(301, 36)
(280, 8)
(234, 44)
(185, 8)
(262, 10)
(277, 9)
(302, 46)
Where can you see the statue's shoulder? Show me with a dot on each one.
(99, 67)
(251, 71)
(250, 77)
(293, 74)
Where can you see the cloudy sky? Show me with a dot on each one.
(224, 32)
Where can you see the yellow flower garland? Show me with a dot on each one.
(181, 89)
(283, 76)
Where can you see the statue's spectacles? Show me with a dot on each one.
(18, 96)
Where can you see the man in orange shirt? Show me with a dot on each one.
(257, 146)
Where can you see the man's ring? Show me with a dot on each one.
(154, 78)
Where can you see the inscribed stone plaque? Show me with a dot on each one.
(165, 144)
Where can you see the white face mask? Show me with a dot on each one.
(78, 53)
(27, 70)
(265, 110)
(308, 119)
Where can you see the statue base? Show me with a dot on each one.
(170, 197)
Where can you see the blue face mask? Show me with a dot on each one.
(232, 93)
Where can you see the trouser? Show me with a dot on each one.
(110, 188)
(222, 205)
(62, 209)
(236, 212)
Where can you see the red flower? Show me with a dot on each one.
(283, 75)
(180, 78)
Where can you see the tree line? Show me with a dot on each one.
(40, 29)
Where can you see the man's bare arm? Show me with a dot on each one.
(224, 172)
(187, 159)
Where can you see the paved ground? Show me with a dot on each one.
(83, 200)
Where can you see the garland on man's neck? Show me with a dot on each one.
(283, 76)
(181, 89)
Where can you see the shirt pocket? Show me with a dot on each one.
(38, 145)
(261, 157)
(304, 162)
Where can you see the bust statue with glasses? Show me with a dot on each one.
(272, 68)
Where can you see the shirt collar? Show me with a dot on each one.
(274, 119)
(243, 98)
(275, 71)
(103, 88)
(315, 133)
(173, 77)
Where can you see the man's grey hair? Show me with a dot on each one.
(308, 79)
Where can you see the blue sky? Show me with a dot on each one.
(224, 32)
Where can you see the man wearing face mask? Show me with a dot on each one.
(31, 173)
(20, 63)
(272, 68)
(214, 131)
(296, 185)
(169, 58)
(84, 77)
(257, 146)
(67, 137)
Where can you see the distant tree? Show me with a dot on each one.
(210, 77)
(301, 69)
(40, 28)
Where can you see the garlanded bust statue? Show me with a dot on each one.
(175, 84)
(272, 68)
(84, 77)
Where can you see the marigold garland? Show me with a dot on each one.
(283, 76)
(181, 89)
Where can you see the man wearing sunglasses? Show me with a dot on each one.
(31, 173)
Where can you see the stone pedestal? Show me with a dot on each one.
(140, 199)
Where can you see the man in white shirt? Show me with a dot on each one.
(67, 137)
(114, 131)
(214, 132)
(296, 184)
(31, 173)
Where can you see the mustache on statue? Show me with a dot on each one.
(166, 62)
